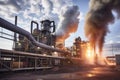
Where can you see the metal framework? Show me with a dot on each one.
(11, 60)
(16, 60)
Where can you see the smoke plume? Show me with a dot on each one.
(97, 20)
(68, 22)
(61, 11)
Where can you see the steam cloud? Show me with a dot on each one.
(68, 22)
(98, 18)
(63, 12)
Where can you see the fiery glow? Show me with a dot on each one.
(89, 55)
(90, 75)
(94, 56)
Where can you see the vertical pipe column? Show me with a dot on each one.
(15, 34)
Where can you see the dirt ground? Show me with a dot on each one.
(65, 73)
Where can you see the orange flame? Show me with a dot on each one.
(93, 57)
(90, 55)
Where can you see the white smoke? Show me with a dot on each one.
(68, 22)
(63, 12)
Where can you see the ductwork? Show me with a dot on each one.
(7, 25)
(32, 26)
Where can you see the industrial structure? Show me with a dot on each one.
(44, 35)
(35, 50)
(38, 49)
(77, 47)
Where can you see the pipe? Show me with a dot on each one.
(32, 26)
(15, 35)
(7, 25)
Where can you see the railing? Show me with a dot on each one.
(16, 60)
(5, 36)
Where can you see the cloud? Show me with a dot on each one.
(47, 6)
(68, 22)
(31, 8)
(28, 10)
(37, 10)
(13, 3)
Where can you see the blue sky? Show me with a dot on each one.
(83, 7)
(37, 10)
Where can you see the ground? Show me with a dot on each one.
(66, 73)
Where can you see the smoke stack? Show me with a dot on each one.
(98, 18)
(68, 22)
(7, 25)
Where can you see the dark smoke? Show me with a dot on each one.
(97, 20)
(68, 22)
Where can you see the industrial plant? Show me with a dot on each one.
(40, 52)
(37, 49)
